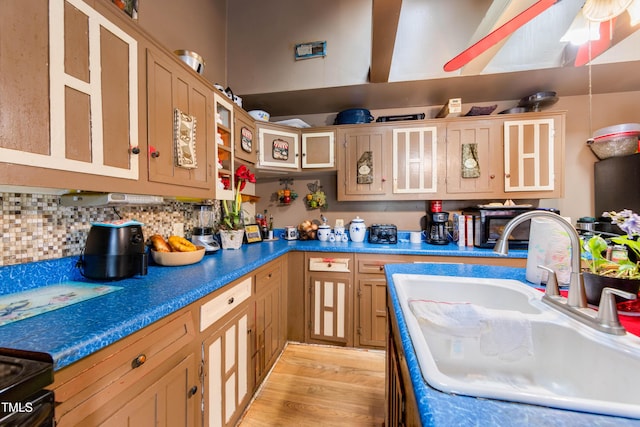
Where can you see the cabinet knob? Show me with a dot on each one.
(155, 154)
(381, 267)
(138, 361)
(492, 176)
(134, 150)
(231, 300)
(507, 175)
(192, 391)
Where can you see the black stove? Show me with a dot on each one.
(24, 401)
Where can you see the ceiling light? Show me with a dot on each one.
(634, 12)
(604, 10)
(581, 31)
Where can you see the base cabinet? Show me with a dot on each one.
(329, 298)
(171, 401)
(226, 355)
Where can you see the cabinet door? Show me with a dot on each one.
(225, 162)
(278, 147)
(267, 335)
(244, 136)
(80, 113)
(372, 312)
(363, 156)
(415, 160)
(318, 149)
(529, 155)
(178, 143)
(330, 311)
(474, 158)
(171, 401)
(226, 354)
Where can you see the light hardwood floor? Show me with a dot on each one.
(321, 386)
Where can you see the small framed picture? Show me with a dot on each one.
(252, 232)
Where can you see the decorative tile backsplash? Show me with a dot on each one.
(35, 227)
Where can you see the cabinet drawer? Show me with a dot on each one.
(89, 385)
(267, 276)
(329, 264)
(218, 307)
(374, 266)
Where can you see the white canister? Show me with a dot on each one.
(323, 232)
(357, 230)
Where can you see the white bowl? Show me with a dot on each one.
(172, 259)
(260, 115)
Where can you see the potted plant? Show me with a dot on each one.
(614, 268)
(232, 225)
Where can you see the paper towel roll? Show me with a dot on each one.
(549, 245)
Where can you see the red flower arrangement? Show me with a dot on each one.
(233, 208)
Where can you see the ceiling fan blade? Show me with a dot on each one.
(498, 34)
(597, 46)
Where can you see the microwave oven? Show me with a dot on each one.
(489, 223)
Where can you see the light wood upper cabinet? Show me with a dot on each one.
(291, 149)
(318, 148)
(279, 147)
(245, 138)
(363, 158)
(531, 150)
(474, 158)
(71, 103)
(178, 103)
(416, 158)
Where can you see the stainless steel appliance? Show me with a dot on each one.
(383, 234)
(114, 250)
(23, 398)
(489, 222)
(203, 233)
(436, 232)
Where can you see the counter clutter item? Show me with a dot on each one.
(192, 59)
(357, 230)
(172, 259)
(260, 115)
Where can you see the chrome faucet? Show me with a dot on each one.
(606, 318)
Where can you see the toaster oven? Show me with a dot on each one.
(489, 223)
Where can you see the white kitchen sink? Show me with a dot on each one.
(494, 338)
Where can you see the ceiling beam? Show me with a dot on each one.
(500, 12)
(577, 56)
(384, 22)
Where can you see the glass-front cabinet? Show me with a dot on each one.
(224, 148)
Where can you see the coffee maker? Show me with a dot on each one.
(203, 233)
(436, 231)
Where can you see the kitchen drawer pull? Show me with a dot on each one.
(231, 300)
(138, 361)
(192, 391)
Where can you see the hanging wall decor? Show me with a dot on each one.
(280, 149)
(470, 165)
(365, 168)
(316, 199)
(286, 195)
(246, 139)
(185, 140)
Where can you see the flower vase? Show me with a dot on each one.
(231, 239)
(594, 284)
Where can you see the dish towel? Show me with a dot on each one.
(505, 334)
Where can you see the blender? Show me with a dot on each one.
(203, 232)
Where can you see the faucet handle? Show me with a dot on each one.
(552, 282)
(608, 312)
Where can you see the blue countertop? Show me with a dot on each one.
(78, 330)
(443, 409)
(74, 332)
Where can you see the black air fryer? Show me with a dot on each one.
(114, 251)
